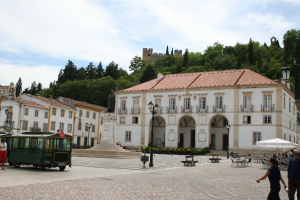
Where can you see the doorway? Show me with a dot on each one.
(92, 142)
(213, 141)
(192, 138)
(181, 140)
(225, 142)
(78, 142)
(85, 142)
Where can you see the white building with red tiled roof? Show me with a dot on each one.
(195, 109)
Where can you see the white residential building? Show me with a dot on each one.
(195, 109)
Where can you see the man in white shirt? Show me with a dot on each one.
(3, 147)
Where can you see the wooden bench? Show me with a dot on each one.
(189, 162)
(215, 159)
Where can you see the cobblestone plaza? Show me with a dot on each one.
(104, 178)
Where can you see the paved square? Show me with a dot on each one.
(101, 178)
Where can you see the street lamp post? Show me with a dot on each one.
(153, 110)
(228, 128)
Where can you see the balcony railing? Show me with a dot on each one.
(202, 109)
(269, 108)
(219, 109)
(187, 110)
(137, 111)
(120, 111)
(249, 109)
(9, 124)
(171, 110)
(160, 110)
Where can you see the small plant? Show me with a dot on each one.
(155, 146)
(185, 151)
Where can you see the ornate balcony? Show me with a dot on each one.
(202, 110)
(187, 110)
(268, 108)
(160, 110)
(219, 109)
(171, 110)
(136, 111)
(249, 109)
(122, 111)
(9, 124)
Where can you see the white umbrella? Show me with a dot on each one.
(275, 143)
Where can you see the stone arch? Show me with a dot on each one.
(186, 134)
(218, 131)
(159, 131)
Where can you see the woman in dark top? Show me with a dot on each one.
(274, 176)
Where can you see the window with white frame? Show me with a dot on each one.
(86, 126)
(172, 104)
(128, 136)
(187, 103)
(267, 102)
(69, 128)
(294, 126)
(202, 103)
(267, 119)
(62, 113)
(225, 122)
(246, 119)
(52, 127)
(26, 111)
(70, 114)
(61, 126)
(35, 126)
(122, 120)
(158, 102)
(93, 128)
(45, 126)
(289, 105)
(80, 113)
(256, 137)
(94, 115)
(87, 114)
(123, 106)
(25, 124)
(53, 111)
(36, 113)
(135, 106)
(247, 103)
(219, 103)
(290, 138)
(79, 125)
(46, 115)
(284, 102)
(290, 124)
(284, 136)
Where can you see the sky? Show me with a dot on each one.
(37, 38)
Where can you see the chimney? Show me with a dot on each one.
(159, 76)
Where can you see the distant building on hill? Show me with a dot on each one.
(149, 55)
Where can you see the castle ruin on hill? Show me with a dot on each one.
(149, 55)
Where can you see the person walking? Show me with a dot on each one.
(294, 175)
(274, 176)
(3, 147)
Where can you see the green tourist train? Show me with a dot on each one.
(40, 149)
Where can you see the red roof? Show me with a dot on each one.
(81, 103)
(205, 79)
(32, 104)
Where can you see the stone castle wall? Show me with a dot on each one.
(149, 55)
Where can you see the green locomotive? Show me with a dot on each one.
(40, 149)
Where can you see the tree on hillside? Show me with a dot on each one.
(136, 63)
(33, 89)
(39, 87)
(148, 74)
(172, 52)
(167, 50)
(185, 63)
(99, 70)
(259, 60)
(69, 73)
(112, 70)
(91, 71)
(60, 78)
(122, 72)
(18, 87)
(290, 41)
(251, 58)
(81, 74)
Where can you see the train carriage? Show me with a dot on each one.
(40, 149)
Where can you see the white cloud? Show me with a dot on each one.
(40, 73)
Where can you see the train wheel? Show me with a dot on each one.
(42, 167)
(16, 166)
(62, 168)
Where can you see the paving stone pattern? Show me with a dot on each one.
(160, 162)
(204, 181)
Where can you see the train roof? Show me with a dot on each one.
(35, 134)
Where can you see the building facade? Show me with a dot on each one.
(195, 109)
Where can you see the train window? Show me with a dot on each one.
(15, 143)
(49, 143)
(21, 143)
(27, 143)
(33, 143)
(41, 144)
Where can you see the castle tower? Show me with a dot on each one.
(147, 54)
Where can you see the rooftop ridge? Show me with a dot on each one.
(239, 78)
